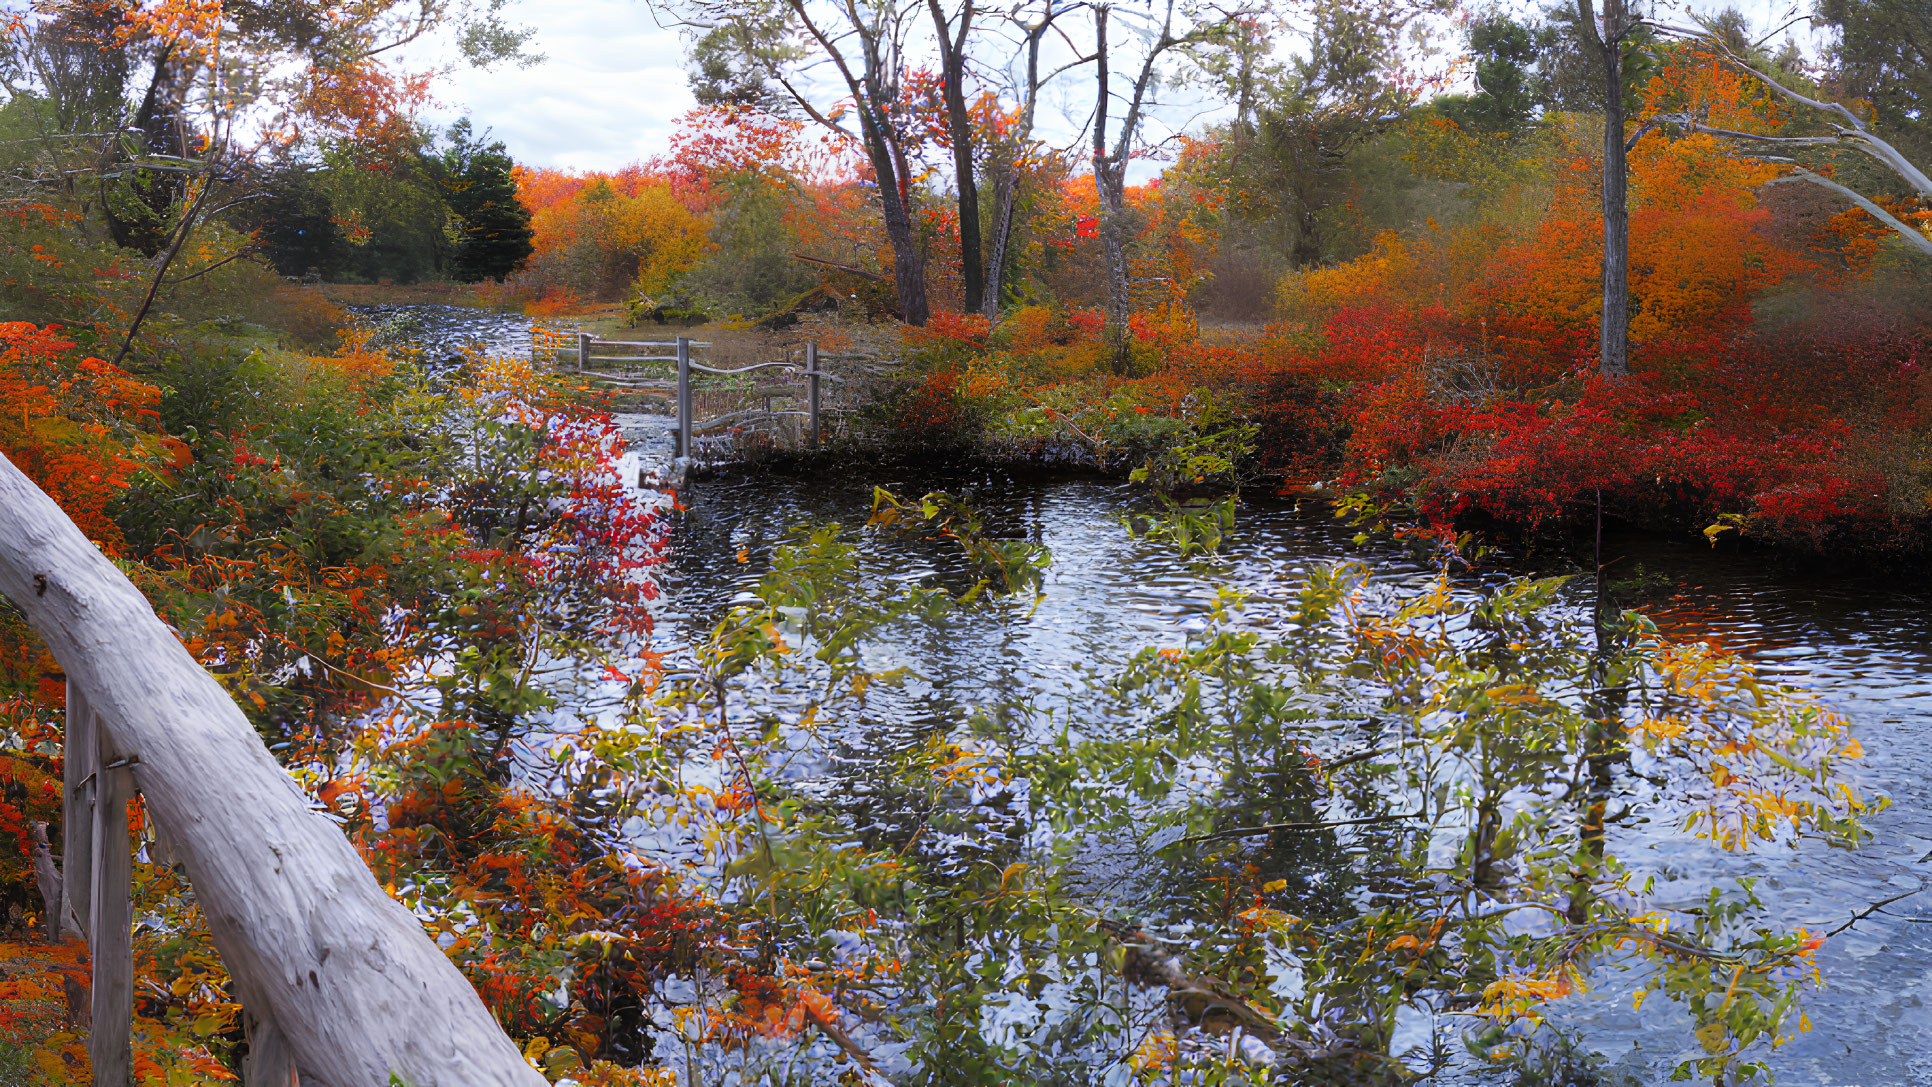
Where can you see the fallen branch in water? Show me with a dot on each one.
(1875, 907)
(1206, 1002)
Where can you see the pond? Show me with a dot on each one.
(1864, 643)
(1861, 641)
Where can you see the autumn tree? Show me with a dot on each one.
(1013, 145)
(158, 117)
(1319, 166)
(843, 66)
(1344, 90)
(1158, 30)
(1837, 127)
(950, 32)
(1610, 45)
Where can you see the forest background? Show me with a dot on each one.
(1397, 284)
(1357, 287)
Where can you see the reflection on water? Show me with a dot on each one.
(1864, 644)
(444, 331)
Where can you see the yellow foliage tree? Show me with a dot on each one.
(604, 240)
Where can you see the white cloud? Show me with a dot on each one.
(613, 83)
(608, 92)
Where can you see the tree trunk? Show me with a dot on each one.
(1614, 350)
(908, 265)
(959, 124)
(361, 995)
(1006, 189)
(1113, 242)
(47, 880)
(1109, 181)
(1003, 194)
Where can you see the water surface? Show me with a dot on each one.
(1862, 641)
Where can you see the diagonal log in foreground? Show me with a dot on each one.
(357, 992)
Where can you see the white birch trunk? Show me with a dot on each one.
(355, 988)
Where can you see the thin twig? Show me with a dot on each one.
(1269, 828)
(836, 266)
(210, 268)
(174, 248)
(1874, 908)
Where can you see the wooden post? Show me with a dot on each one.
(583, 351)
(684, 396)
(79, 759)
(811, 398)
(110, 947)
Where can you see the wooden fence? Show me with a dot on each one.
(702, 406)
(339, 984)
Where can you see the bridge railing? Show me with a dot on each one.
(338, 982)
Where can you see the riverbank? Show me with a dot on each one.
(1362, 406)
(1695, 452)
(1354, 410)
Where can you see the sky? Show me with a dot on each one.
(608, 92)
(613, 84)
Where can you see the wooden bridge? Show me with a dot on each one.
(711, 399)
(339, 984)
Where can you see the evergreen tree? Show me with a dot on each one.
(1504, 102)
(1884, 56)
(295, 221)
(491, 228)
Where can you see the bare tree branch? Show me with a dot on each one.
(1916, 238)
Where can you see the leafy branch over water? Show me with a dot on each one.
(1196, 478)
(1006, 566)
(1253, 850)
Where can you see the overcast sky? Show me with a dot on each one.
(608, 92)
(613, 82)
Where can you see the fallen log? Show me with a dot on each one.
(848, 269)
(1197, 1001)
(1208, 1003)
(342, 973)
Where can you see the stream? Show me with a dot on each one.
(1862, 642)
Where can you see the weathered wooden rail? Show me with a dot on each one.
(340, 985)
(633, 370)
